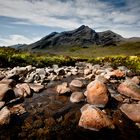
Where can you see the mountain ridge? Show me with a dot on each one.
(82, 36)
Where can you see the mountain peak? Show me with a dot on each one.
(82, 36)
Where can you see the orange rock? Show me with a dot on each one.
(94, 119)
(132, 111)
(130, 89)
(118, 73)
(97, 94)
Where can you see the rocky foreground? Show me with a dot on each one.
(90, 97)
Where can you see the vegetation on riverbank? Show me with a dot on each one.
(11, 57)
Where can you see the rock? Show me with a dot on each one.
(30, 68)
(101, 79)
(9, 82)
(18, 70)
(60, 71)
(2, 104)
(117, 97)
(85, 93)
(19, 92)
(1, 76)
(90, 76)
(118, 73)
(130, 89)
(17, 109)
(4, 116)
(123, 68)
(100, 71)
(55, 66)
(41, 71)
(92, 83)
(25, 88)
(36, 87)
(6, 92)
(87, 71)
(97, 94)
(93, 118)
(63, 88)
(68, 74)
(136, 80)
(30, 78)
(77, 83)
(132, 111)
(77, 97)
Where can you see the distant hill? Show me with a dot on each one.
(82, 36)
(18, 46)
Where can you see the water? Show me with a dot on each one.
(53, 117)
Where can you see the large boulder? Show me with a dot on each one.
(77, 97)
(97, 94)
(132, 111)
(130, 89)
(94, 119)
(4, 116)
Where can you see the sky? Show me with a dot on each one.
(26, 21)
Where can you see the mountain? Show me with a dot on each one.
(18, 46)
(82, 36)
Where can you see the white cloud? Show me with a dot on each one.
(70, 14)
(16, 39)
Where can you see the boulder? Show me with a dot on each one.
(41, 71)
(130, 89)
(30, 68)
(30, 77)
(24, 89)
(9, 82)
(63, 88)
(77, 83)
(118, 73)
(6, 92)
(101, 79)
(17, 109)
(4, 116)
(93, 118)
(60, 71)
(77, 97)
(36, 87)
(87, 71)
(19, 70)
(1, 76)
(132, 111)
(136, 79)
(2, 103)
(97, 94)
(19, 92)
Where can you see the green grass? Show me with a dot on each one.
(128, 49)
(127, 54)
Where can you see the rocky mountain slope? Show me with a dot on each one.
(82, 36)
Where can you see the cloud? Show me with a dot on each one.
(16, 39)
(69, 14)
